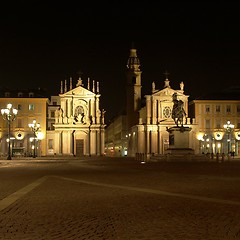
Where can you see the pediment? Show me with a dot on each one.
(165, 92)
(79, 92)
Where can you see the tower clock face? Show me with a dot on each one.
(167, 112)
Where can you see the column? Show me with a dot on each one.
(141, 140)
(154, 111)
(154, 141)
(97, 111)
(102, 144)
(148, 109)
(93, 142)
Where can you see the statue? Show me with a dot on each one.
(178, 112)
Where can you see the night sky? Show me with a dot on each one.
(197, 43)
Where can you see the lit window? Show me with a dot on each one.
(50, 143)
(31, 107)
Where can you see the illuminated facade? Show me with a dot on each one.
(218, 123)
(214, 120)
(147, 125)
(116, 138)
(79, 128)
(31, 105)
(147, 119)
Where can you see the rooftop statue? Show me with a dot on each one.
(178, 112)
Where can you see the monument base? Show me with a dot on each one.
(179, 144)
(179, 151)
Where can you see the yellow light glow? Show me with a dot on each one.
(237, 135)
(19, 135)
(40, 135)
(218, 135)
(200, 136)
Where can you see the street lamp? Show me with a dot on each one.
(228, 126)
(35, 127)
(9, 114)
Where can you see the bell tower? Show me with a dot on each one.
(134, 86)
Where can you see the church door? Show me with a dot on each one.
(79, 147)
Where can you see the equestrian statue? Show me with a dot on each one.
(178, 112)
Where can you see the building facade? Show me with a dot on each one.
(79, 128)
(218, 120)
(31, 105)
(148, 118)
(116, 137)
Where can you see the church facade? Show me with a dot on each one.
(147, 125)
(213, 121)
(79, 128)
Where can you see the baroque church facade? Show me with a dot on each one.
(79, 128)
(147, 126)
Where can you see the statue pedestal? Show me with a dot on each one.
(179, 141)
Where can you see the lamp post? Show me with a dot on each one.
(35, 127)
(228, 126)
(9, 114)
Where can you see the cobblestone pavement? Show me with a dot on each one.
(119, 199)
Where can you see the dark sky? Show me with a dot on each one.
(196, 42)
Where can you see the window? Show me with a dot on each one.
(207, 108)
(31, 94)
(31, 107)
(50, 143)
(218, 109)
(228, 108)
(20, 94)
(19, 123)
(238, 108)
(207, 123)
(7, 94)
(52, 114)
(19, 107)
(218, 124)
(54, 103)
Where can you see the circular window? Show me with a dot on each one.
(167, 112)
